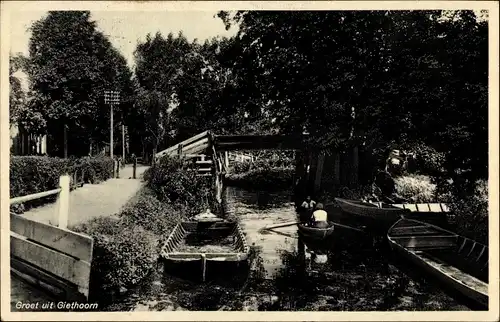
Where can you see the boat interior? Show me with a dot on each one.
(441, 248)
(204, 235)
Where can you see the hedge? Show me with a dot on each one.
(33, 174)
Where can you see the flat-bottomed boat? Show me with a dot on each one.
(461, 264)
(205, 242)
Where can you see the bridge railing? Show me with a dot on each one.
(236, 156)
(188, 146)
(50, 255)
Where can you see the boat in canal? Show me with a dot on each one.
(427, 207)
(205, 243)
(459, 263)
(432, 212)
(315, 233)
(381, 212)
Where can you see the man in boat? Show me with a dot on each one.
(319, 217)
(207, 215)
(306, 208)
(308, 204)
(396, 163)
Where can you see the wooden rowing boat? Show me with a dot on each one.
(318, 234)
(382, 212)
(432, 212)
(205, 242)
(433, 207)
(458, 262)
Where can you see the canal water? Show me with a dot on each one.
(352, 273)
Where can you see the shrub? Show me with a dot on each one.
(152, 214)
(173, 184)
(427, 160)
(416, 188)
(470, 213)
(123, 254)
(96, 169)
(238, 167)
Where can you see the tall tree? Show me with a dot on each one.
(370, 77)
(72, 63)
(20, 111)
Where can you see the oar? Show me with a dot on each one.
(286, 224)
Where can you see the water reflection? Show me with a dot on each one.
(261, 200)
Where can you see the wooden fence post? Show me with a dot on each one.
(61, 219)
(118, 169)
(135, 167)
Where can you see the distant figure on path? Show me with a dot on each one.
(320, 217)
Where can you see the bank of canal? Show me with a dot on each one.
(355, 277)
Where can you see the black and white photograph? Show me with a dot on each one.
(298, 159)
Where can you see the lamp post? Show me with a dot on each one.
(112, 98)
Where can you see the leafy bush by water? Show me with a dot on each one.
(152, 214)
(470, 213)
(123, 253)
(416, 188)
(180, 188)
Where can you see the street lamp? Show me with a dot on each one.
(112, 98)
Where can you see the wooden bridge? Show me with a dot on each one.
(314, 168)
(210, 154)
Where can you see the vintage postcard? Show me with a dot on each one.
(171, 160)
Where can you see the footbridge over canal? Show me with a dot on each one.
(315, 164)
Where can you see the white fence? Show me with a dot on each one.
(51, 256)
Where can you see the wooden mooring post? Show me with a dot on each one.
(203, 267)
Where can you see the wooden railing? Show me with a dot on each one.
(50, 255)
(191, 145)
(233, 156)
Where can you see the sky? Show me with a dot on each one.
(125, 28)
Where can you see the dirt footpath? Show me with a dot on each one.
(94, 200)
